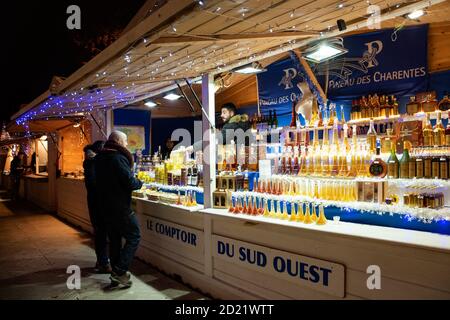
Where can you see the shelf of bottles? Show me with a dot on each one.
(354, 164)
(177, 180)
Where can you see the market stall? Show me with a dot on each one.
(344, 191)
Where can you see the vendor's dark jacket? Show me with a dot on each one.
(238, 121)
(115, 181)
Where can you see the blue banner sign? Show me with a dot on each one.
(382, 62)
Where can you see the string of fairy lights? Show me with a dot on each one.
(126, 81)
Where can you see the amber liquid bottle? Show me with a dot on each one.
(427, 132)
(447, 131)
(378, 167)
(372, 137)
(439, 131)
(294, 116)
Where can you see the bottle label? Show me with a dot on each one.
(376, 169)
(443, 172)
(393, 169)
(427, 168)
(404, 170)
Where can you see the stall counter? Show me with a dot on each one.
(72, 202)
(246, 257)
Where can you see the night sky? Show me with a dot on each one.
(36, 44)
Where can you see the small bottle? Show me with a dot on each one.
(393, 164)
(378, 167)
(430, 104)
(404, 161)
(447, 131)
(427, 132)
(412, 107)
(443, 167)
(427, 165)
(394, 106)
(444, 104)
(412, 165)
(419, 167)
(439, 131)
(435, 166)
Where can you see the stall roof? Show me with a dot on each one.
(183, 39)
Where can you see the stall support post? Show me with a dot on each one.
(52, 164)
(209, 139)
(109, 116)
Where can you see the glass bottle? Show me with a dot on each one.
(412, 107)
(419, 165)
(447, 131)
(430, 104)
(427, 162)
(376, 106)
(412, 165)
(275, 120)
(378, 167)
(294, 116)
(404, 161)
(443, 167)
(439, 131)
(444, 104)
(393, 164)
(394, 106)
(372, 137)
(435, 165)
(427, 132)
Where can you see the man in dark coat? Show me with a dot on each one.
(115, 183)
(15, 173)
(97, 221)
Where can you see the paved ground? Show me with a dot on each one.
(36, 248)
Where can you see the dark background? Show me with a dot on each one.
(36, 44)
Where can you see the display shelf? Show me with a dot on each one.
(409, 237)
(173, 188)
(190, 209)
(376, 120)
(422, 115)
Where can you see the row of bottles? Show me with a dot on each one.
(430, 163)
(429, 104)
(270, 120)
(296, 212)
(437, 135)
(374, 106)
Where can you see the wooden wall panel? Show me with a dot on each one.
(242, 94)
(439, 46)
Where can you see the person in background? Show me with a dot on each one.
(98, 224)
(231, 122)
(15, 174)
(114, 185)
(167, 149)
(33, 163)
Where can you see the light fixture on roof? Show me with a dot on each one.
(415, 14)
(150, 103)
(326, 50)
(252, 68)
(172, 96)
(43, 138)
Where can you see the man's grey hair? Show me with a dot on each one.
(118, 137)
